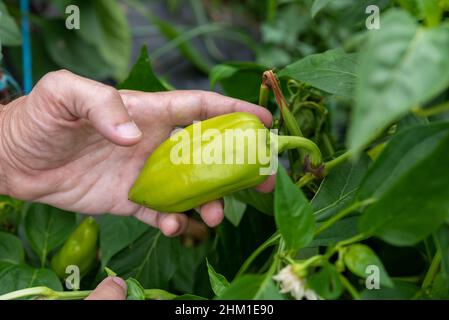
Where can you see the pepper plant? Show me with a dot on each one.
(370, 222)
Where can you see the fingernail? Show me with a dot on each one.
(128, 130)
(120, 282)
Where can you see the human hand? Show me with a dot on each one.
(79, 145)
(111, 288)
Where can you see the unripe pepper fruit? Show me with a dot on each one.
(80, 249)
(168, 187)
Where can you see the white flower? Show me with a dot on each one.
(291, 283)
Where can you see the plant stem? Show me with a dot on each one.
(270, 80)
(433, 269)
(292, 142)
(329, 165)
(357, 238)
(268, 243)
(45, 293)
(305, 179)
(440, 108)
(348, 286)
(343, 213)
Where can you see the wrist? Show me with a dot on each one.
(3, 179)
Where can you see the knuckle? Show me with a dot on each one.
(107, 93)
(52, 79)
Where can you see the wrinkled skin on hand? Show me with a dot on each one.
(72, 143)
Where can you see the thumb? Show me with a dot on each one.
(111, 288)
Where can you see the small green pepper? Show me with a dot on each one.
(176, 187)
(80, 249)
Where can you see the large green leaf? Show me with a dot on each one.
(11, 249)
(292, 212)
(339, 188)
(192, 276)
(343, 229)
(72, 52)
(115, 46)
(151, 260)
(46, 228)
(235, 244)
(252, 287)
(142, 76)
(9, 31)
(358, 257)
(129, 229)
(171, 32)
(15, 277)
(333, 71)
(409, 180)
(239, 80)
(103, 24)
(402, 66)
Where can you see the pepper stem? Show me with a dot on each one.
(264, 94)
(291, 142)
(270, 80)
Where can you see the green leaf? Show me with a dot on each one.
(234, 245)
(46, 228)
(70, 51)
(104, 25)
(410, 183)
(393, 78)
(401, 291)
(343, 229)
(292, 212)
(358, 257)
(186, 49)
(234, 209)
(129, 229)
(9, 31)
(218, 282)
(338, 189)
(15, 277)
(192, 276)
(135, 290)
(326, 282)
(221, 71)
(333, 71)
(11, 249)
(252, 287)
(142, 77)
(239, 80)
(151, 260)
(442, 237)
(318, 5)
(115, 46)
(263, 202)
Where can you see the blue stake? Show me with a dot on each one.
(26, 46)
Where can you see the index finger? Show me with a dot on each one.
(183, 107)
